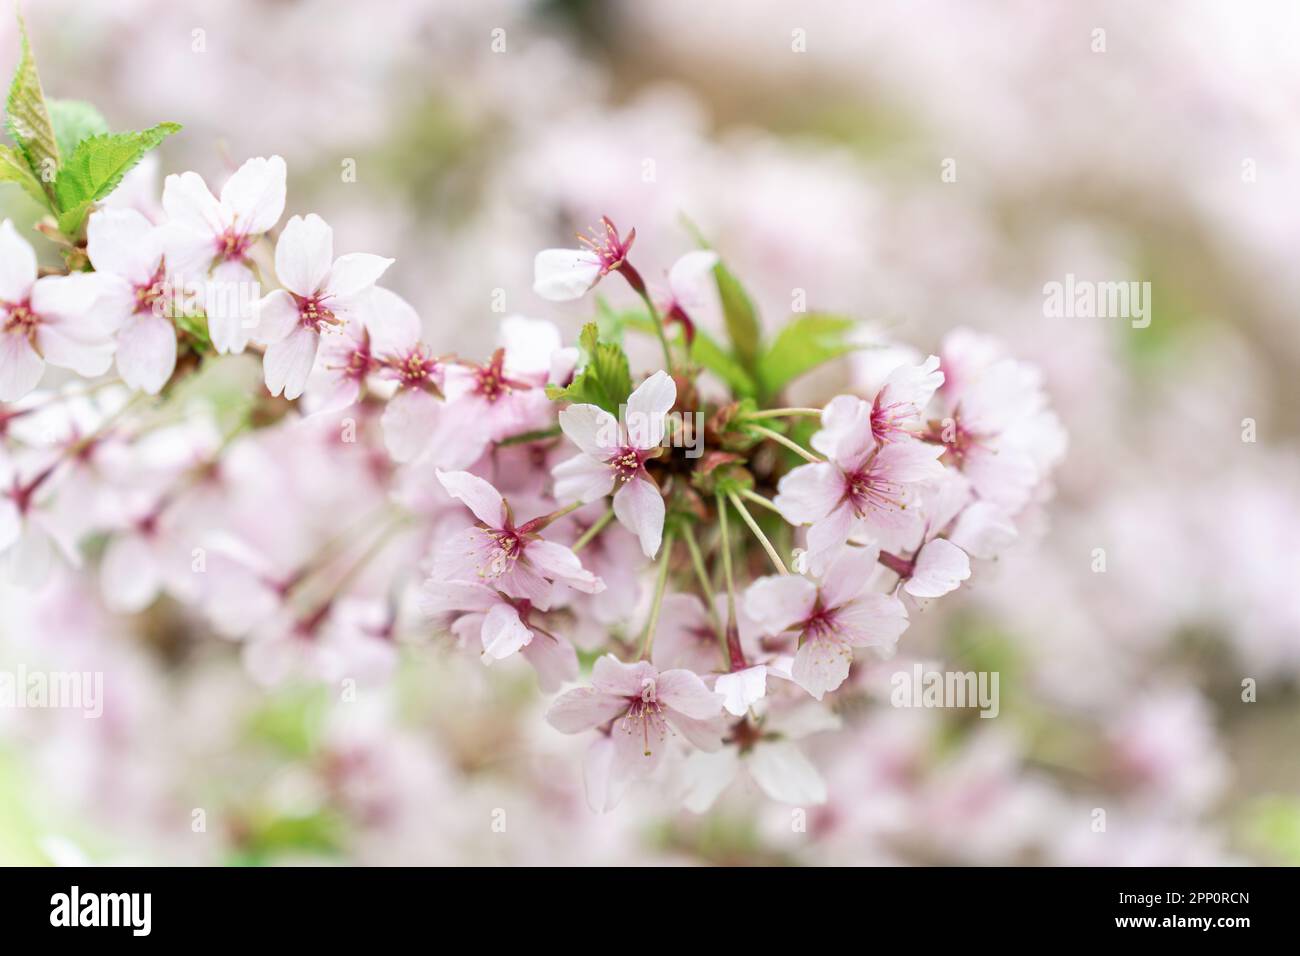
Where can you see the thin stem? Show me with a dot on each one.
(697, 561)
(526, 437)
(628, 272)
(758, 532)
(779, 413)
(648, 637)
(726, 558)
(585, 538)
(782, 440)
(758, 499)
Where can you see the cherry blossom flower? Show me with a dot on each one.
(690, 281)
(614, 455)
(208, 241)
(898, 408)
(561, 275)
(831, 618)
(45, 320)
(864, 488)
(767, 754)
(320, 294)
(642, 705)
(502, 626)
(513, 559)
(127, 253)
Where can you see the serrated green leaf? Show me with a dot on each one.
(605, 380)
(806, 342)
(96, 167)
(28, 120)
(74, 120)
(13, 169)
(741, 318)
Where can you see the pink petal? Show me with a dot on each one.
(983, 530)
(809, 492)
(440, 597)
(706, 776)
(846, 430)
(685, 693)
(554, 660)
(88, 357)
(604, 789)
(871, 620)
(188, 202)
(940, 567)
(277, 316)
(821, 665)
(742, 688)
(129, 578)
(409, 422)
(909, 461)
(847, 575)
(783, 773)
(640, 508)
(561, 565)
(477, 495)
(393, 323)
(778, 602)
(584, 708)
(503, 632)
(609, 675)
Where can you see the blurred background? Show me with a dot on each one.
(919, 165)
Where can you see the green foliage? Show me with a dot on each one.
(96, 167)
(28, 120)
(74, 120)
(14, 169)
(604, 381)
(707, 353)
(804, 343)
(66, 159)
(740, 316)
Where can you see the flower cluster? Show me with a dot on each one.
(689, 563)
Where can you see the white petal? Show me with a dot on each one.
(125, 243)
(847, 575)
(304, 254)
(706, 776)
(646, 408)
(742, 688)
(393, 324)
(591, 428)
(778, 602)
(477, 495)
(529, 344)
(561, 275)
(691, 276)
(146, 352)
(503, 632)
(582, 478)
(17, 264)
(409, 423)
(20, 366)
(639, 507)
(355, 273)
(187, 200)
(288, 363)
(128, 575)
(821, 665)
(940, 567)
(11, 523)
(782, 772)
(255, 194)
(85, 357)
(277, 316)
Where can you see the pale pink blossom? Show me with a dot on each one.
(561, 275)
(897, 412)
(862, 489)
(45, 320)
(127, 253)
(208, 241)
(320, 294)
(614, 456)
(831, 618)
(641, 706)
(513, 559)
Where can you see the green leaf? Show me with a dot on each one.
(806, 342)
(740, 316)
(605, 380)
(96, 167)
(13, 169)
(28, 120)
(74, 120)
(709, 354)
